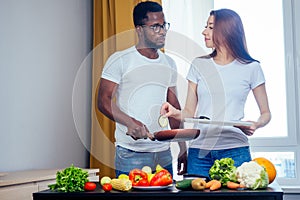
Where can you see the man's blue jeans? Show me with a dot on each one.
(127, 160)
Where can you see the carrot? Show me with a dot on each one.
(216, 185)
(209, 184)
(233, 185)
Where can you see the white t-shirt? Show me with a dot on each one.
(222, 93)
(142, 89)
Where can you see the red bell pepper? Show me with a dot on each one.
(161, 178)
(143, 182)
(138, 177)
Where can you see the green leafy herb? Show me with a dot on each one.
(71, 179)
(223, 170)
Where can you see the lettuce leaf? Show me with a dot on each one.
(71, 179)
(223, 170)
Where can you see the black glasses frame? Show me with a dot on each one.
(157, 27)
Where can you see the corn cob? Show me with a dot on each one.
(121, 184)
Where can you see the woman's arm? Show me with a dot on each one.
(261, 98)
(190, 106)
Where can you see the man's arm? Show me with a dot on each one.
(107, 105)
(174, 124)
(173, 100)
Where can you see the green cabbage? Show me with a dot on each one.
(223, 170)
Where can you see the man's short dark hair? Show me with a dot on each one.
(140, 11)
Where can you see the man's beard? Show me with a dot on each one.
(150, 44)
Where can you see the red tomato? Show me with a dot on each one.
(89, 186)
(107, 187)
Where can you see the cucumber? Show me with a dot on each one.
(184, 184)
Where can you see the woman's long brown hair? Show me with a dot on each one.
(229, 31)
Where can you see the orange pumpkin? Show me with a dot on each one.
(269, 166)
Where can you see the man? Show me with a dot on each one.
(140, 79)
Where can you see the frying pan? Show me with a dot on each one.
(177, 135)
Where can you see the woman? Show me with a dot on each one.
(218, 86)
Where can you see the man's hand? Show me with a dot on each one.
(139, 131)
(182, 160)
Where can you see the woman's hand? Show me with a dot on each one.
(168, 110)
(248, 130)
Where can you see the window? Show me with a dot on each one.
(270, 39)
(264, 30)
(284, 162)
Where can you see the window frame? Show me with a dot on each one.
(289, 38)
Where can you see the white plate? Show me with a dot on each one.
(152, 187)
(220, 123)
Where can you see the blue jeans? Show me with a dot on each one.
(200, 161)
(126, 160)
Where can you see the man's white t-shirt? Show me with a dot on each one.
(142, 89)
(222, 93)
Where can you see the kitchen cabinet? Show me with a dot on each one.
(273, 192)
(21, 184)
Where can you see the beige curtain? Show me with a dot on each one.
(113, 30)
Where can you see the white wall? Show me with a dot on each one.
(42, 46)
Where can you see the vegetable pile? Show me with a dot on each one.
(144, 177)
(71, 179)
(223, 170)
(250, 175)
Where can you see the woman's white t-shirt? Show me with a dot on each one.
(222, 93)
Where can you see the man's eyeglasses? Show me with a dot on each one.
(157, 27)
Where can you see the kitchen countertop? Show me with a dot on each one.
(273, 192)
